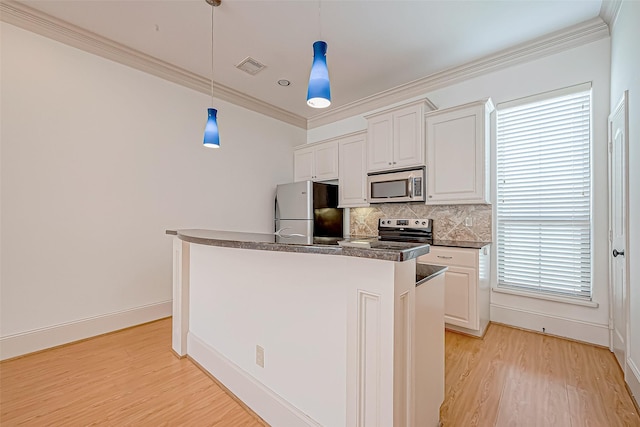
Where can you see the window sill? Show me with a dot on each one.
(546, 297)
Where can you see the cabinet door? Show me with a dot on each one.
(303, 164)
(460, 307)
(326, 162)
(456, 156)
(408, 137)
(353, 172)
(380, 143)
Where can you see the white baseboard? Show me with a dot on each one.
(262, 400)
(474, 333)
(633, 379)
(578, 330)
(52, 336)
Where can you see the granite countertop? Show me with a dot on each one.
(425, 272)
(362, 247)
(460, 244)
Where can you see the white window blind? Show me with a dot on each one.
(544, 195)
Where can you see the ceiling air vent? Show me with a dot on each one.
(250, 66)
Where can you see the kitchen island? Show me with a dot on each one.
(313, 333)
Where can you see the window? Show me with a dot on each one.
(544, 193)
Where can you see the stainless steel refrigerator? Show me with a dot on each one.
(308, 209)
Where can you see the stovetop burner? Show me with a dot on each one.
(419, 230)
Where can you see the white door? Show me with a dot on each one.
(618, 169)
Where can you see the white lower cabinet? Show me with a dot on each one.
(467, 287)
(461, 296)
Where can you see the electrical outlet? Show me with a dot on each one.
(468, 221)
(259, 356)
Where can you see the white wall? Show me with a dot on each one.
(625, 75)
(98, 160)
(586, 63)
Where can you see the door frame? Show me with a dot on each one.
(624, 105)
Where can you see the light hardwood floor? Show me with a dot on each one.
(131, 378)
(128, 378)
(518, 378)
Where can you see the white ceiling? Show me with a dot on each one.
(373, 45)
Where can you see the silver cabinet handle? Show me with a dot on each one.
(444, 257)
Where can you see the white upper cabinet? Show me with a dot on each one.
(395, 138)
(317, 162)
(458, 154)
(353, 171)
(380, 143)
(303, 160)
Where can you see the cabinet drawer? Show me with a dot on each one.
(450, 256)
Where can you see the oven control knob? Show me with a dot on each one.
(417, 222)
(424, 222)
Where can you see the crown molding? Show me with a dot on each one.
(609, 11)
(20, 15)
(577, 35)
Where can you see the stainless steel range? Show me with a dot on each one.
(419, 230)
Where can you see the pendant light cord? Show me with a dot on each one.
(320, 19)
(212, 9)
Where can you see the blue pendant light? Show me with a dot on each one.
(211, 135)
(319, 92)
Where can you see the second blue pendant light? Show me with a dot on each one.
(211, 134)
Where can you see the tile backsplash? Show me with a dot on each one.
(448, 220)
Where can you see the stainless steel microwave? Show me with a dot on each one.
(396, 186)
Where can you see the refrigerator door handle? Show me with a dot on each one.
(279, 233)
